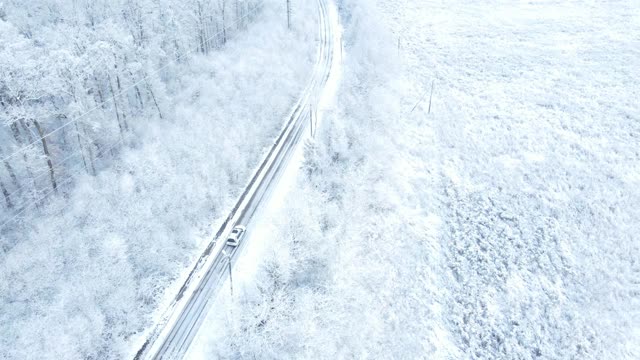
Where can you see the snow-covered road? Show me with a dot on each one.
(176, 331)
(502, 224)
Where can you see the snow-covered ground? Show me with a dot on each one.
(89, 274)
(501, 224)
(536, 125)
(497, 219)
(263, 233)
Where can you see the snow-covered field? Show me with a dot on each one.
(501, 224)
(536, 134)
(89, 273)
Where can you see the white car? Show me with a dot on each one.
(236, 235)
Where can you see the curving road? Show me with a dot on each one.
(173, 336)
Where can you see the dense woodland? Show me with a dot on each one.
(79, 80)
(86, 273)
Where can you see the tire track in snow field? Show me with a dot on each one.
(174, 333)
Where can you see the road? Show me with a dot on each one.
(174, 334)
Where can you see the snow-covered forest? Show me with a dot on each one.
(82, 79)
(154, 114)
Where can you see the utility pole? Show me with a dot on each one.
(238, 17)
(311, 120)
(315, 123)
(228, 257)
(230, 274)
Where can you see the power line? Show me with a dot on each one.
(75, 153)
(60, 184)
(71, 177)
(145, 78)
(60, 163)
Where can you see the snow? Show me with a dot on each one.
(262, 234)
(502, 224)
(172, 311)
(90, 275)
(533, 107)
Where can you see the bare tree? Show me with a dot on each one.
(115, 105)
(7, 198)
(223, 5)
(45, 149)
(288, 14)
(12, 173)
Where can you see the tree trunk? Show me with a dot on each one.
(139, 95)
(64, 130)
(217, 37)
(84, 161)
(92, 161)
(224, 25)
(177, 51)
(153, 96)
(16, 135)
(33, 179)
(99, 90)
(288, 14)
(45, 148)
(28, 131)
(115, 105)
(239, 19)
(12, 173)
(119, 87)
(26, 158)
(201, 29)
(90, 148)
(16, 132)
(238, 22)
(7, 198)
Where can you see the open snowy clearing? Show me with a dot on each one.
(535, 132)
